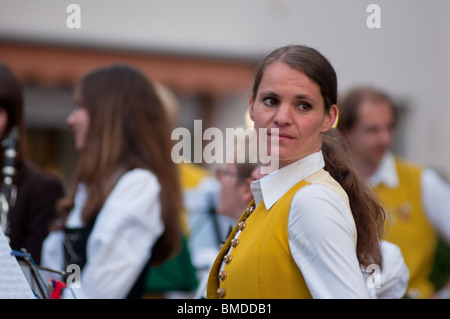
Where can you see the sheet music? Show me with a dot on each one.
(13, 284)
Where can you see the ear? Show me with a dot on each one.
(331, 118)
(337, 120)
(250, 109)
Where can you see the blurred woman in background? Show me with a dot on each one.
(122, 214)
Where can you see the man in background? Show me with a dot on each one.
(416, 198)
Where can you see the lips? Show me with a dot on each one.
(281, 136)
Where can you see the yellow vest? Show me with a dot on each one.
(408, 227)
(261, 265)
(191, 175)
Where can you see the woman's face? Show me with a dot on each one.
(291, 102)
(79, 121)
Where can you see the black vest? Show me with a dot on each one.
(75, 242)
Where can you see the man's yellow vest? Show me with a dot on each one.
(407, 226)
(260, 264)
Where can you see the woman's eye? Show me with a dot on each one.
(270, 101)
(304, 106)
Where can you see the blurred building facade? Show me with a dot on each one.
(205, 51)
(50, 72)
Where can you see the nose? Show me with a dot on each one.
(283, 115)
(385, 136)
(71, 119)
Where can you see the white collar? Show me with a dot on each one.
(386, 172)
(270, 188)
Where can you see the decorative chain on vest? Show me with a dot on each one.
(234, 242)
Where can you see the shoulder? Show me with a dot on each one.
(38, 180)
(322, 177)
(404, 164)
(32, 171)
(134, 197)
(318, 206)
(318, 195)
(431, 177)
(322, 194)
(137, 178)
(409, 173)
(134, 188)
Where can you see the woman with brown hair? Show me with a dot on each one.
(313, 221)
(123, 212)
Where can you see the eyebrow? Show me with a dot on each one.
(297, 97)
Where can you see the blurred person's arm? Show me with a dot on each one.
(436, 201)
(394, 273)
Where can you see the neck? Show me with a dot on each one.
(364, 168)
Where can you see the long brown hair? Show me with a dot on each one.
(128, 129)
(367, 212)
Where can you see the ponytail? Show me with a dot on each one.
(367, 212)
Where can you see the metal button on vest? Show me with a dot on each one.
(234, 242)
(250, 210)
(227, 259)
(221, 292)
(241, 225)
(222, 275)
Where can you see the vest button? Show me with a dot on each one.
(221, 292)
(227, 259)
(250, 210)
(222, 275)
(234, 242)
(241, 225)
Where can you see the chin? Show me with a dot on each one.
(79, 146)
(379, 156)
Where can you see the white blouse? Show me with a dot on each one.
(321, 233)
(119, 246)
